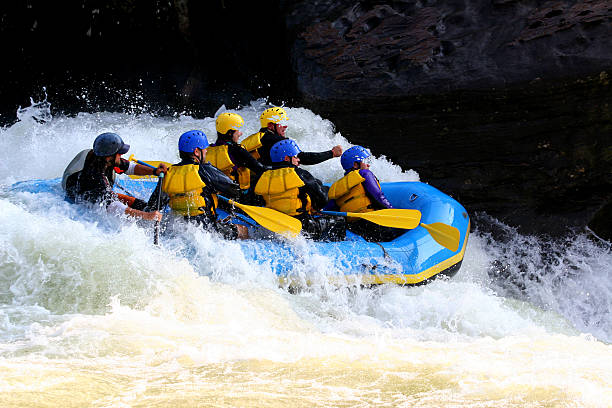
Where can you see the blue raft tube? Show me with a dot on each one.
(412, 258)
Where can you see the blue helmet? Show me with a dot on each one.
(191, 140)
(283, 148)
(108, 144)
(352, 155)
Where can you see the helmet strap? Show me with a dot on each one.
(198, 156)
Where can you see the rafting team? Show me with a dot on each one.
(262, 170)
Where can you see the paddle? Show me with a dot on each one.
(270, 219)
(389, 217)
(445, 235)
(161, 176)
(132, 158)
(156, 227)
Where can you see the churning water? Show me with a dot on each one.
(92, 314)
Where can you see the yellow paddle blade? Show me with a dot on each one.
(153, 163)
(272, 220)
(444, 234)
(391, 217)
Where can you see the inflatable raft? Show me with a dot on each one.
(415, 257)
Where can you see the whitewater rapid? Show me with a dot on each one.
(92, 314)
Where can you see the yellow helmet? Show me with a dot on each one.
(273, 115)
(228, 121)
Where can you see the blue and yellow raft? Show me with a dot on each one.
(412, 258)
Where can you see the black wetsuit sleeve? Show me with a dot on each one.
(267, 141)
(310, 158)
(217, 181)
(244, 159)
(314, 188)
(307, 158)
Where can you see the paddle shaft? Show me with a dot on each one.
(156, 227)
(338, 213)
(141, 162)
(161, 176)
(269, 218)
(145, 164)
(246, 219)
(445, 235)
(387, 217)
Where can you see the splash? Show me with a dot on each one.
(39, 112)
(570, 275)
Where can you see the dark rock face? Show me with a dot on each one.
(368, 49)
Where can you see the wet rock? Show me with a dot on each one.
(348, 50)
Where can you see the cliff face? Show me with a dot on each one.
(504, 104)
(348, 50)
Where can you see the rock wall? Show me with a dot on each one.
(348, 50)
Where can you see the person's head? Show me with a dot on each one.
(273, 118)
(355, 158)
(227, 125)
(193, 145)
(285, 151)
(109, 147)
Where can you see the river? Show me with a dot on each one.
(92, 314)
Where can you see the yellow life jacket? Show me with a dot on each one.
(219, 157)
(252, 143)
(349, 193)
(184, 186)
(280, 190)
(244, 178)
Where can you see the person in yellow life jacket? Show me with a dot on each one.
(359, 191)
(273, 131)
(229, 156)
(90, 178)
(191, 186)
(294, 191)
